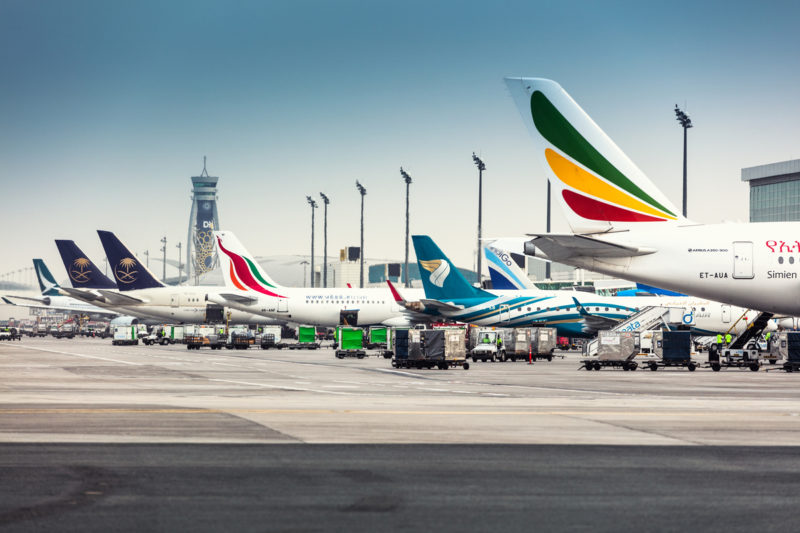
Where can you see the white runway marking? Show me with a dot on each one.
(81, 355)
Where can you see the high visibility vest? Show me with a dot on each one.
(719, 338)
(727, 338)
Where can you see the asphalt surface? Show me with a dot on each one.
(99, 438)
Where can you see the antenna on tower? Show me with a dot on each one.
(204, 174)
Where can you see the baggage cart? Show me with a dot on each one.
(271, 338)
(543, 343)
(351, 342)
(672, 348)
(615, 349)
(306, 339)
(378, 338)
(787, 348)
(430, 348)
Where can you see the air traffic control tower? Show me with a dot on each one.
(201, 256)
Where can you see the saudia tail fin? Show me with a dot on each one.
(440, 278)
(599, 187)
(83, 273)
(504, 270)
(128, 271)
(240, 269)
(46, 280)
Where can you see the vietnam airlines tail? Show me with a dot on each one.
(129, 272)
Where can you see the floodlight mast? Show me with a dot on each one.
(325, 201)
(313, 205)
(481, 167)
(362, 191)
(407, 179)
(685, 123)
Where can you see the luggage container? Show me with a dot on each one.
(614, 349)
(351, 342)
(516, 344)
(271, 338)
(543, 343)
(125, 335)
(786, 346)
(199, 336)
(240, 338)
(306, 339)
(400, 347)
(672, 348)
(378, 338)
(429, 348)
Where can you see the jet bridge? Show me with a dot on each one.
(648, 318)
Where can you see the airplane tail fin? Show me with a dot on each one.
(598, 186)
(504, 270)
(83, 273)
(240, 269)
(46, 280)
(128, 271)
(442, 281)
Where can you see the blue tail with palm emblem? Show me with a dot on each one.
(83, 273)
(440, 278)
(129, 273)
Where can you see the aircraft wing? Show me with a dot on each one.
(40, 300)
(116, 298)
(559, 247)
(87, 295)
(237, 298)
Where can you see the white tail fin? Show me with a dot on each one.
(503, 269)
(599, 187)
(239, 269)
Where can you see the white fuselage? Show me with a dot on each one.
(755, 265)
(323, 306)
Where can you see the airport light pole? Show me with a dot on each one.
(325, 201)
(313, 205)
(481, 167)
(304, 263)
(362, 191)
(686, 123)
(147, 255)
(407, 179)
(180, 265)
(164, 266)
(547, 263)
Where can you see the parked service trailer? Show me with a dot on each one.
(351, 342)
(199, 336)
(306, 339)
(125, 335)
(516, 344)
(430, 348)
(543, 343)
(672, 348)
(271, 338)
(614, 349)
(240, 338)
(786, 347)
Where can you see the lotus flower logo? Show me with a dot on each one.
(125, 272)
(439, 270)
(79, 273)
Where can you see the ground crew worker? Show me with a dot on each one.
(719, 340)
(499, 341)
(486, 339)
(728, 339)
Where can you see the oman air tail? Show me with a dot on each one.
(128, 271)
(46, 280)
(503, 269)
(440, 278)
(240, 269)
(599, 187)
(83, 273)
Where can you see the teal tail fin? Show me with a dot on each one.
(46, 280)
(440, 278)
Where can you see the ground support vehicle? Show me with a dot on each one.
(198, 336)
(40, 330)
(672, 348)
(65, 331)
(306, 339)
(485, 346)
(10, 334)
(615, 349)
(719, 358)
(543, 343)
(430, 348)
(378, 338)
(125, 335)
(351, 342)
(163, 335)
(271, 338)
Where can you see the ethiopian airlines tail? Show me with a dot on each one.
(503, 270)
(240, 270)
(46, 280)
(128, 271)
(599, 187)
(83, 273)
(443, 281)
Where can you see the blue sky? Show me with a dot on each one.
(108, 108)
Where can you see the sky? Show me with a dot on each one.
(107, 109)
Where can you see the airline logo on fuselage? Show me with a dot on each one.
(125, 272)
(79, 273)
(439, 270)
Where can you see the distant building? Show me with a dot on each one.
(201, 254)
(774, 191)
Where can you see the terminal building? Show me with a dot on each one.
(774, 191)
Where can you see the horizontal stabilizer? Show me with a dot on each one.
(567, 246)
(117, 298)
(442, 306)
(594, 322)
